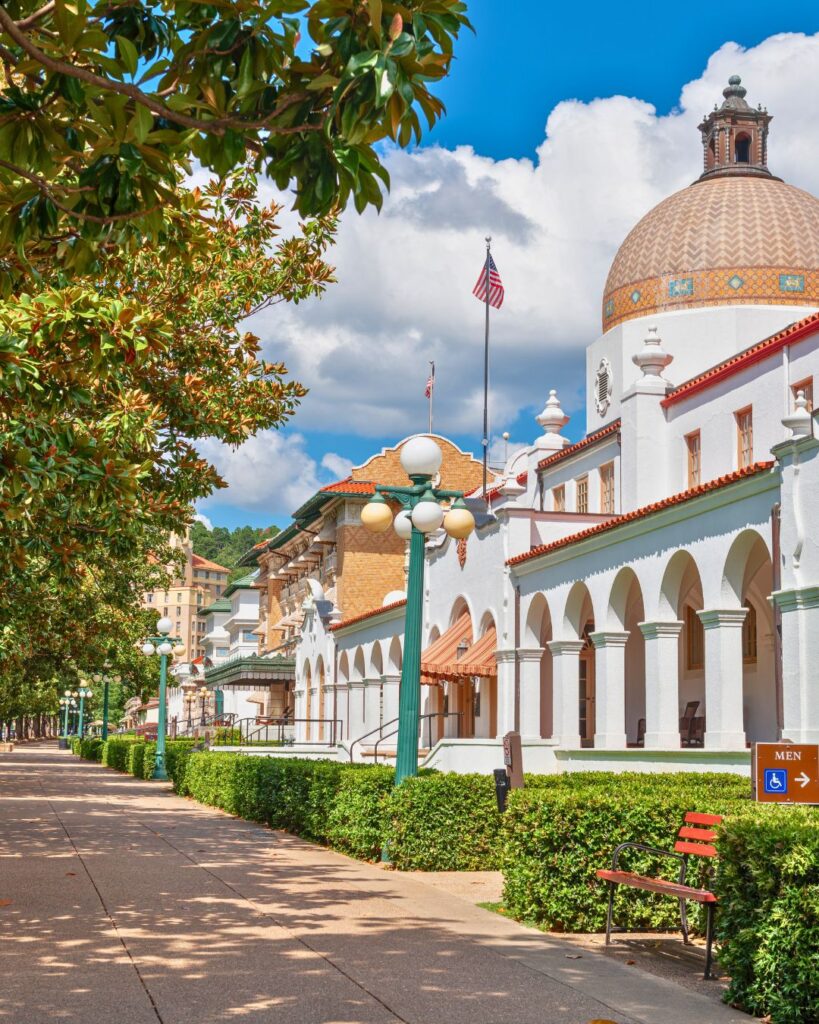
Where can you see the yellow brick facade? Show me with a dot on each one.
(370, 565)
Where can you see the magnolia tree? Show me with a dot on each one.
(122, 291)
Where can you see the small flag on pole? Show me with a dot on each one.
(430, 382)
(496, 291)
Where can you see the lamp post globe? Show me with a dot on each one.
(164, 625)
(148, 649)
(427, 515)
(403, 524)
(421, 456)
(459, 521)
(376, 515)
(166, 648)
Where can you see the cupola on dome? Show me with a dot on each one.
(736, 236)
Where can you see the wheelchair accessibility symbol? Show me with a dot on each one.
(776, 780)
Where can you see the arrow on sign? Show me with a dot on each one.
(803, 780)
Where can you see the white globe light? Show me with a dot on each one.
(164, 626)
(459, 523)
(421, 456)
(403, 524)
(97, 677)
(427, 515)
(376, 516)
(67, 693)
(147, 648)
(166, 647)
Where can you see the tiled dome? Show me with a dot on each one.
(721, 241)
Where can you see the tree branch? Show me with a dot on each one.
(32, 18)
(217, 126)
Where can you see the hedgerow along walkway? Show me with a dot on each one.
(130, 904)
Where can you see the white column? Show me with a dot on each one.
(662, 684)
(342, 697)
(372, 704)
(506, 691)
(724, 727)
(530, 660)
(391, 684)
(566, 695)
(356, 699)
(800, 655)
(610, 689)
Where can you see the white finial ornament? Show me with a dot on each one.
(652, 358)
(800, 421)
(553, 420)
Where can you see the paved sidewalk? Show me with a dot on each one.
(131, 905)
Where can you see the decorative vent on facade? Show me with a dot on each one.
(602, 387)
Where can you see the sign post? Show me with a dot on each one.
(786, 773)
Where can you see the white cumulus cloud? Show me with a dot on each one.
(405, 277)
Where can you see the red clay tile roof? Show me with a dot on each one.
(640, 513)
(350, 486)
(521, 478)
(755, 354)
(199, 562)
(368, 615)
(587, 442)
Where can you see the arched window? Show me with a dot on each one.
(749, 642)
(742, 149)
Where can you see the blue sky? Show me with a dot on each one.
(364, 350)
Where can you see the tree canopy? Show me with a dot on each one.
(226, 546)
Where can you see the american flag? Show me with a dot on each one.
(495, 285)
(430, 382)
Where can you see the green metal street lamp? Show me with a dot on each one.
(67, 702)
(85, 691)
(106, 679)
(421, 514)
(164, 646)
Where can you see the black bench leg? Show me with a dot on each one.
(684, 922)
(610, 913)
(709, 940)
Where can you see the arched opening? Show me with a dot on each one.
(480, 692)
(747, 583)
(742, 148)
(321, 711)
(538, 634)
(395, 657)
(711, 157)
(626, 612)
(343, 668)
(680, 599)
(358, 664)
(578, 621)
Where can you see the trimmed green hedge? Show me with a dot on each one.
(135, 756)
(559, 834)
(115, 754)
(768, 922)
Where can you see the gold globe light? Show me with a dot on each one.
(459, 521)
(376, 515)
(179, 650)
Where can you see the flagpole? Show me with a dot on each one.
(485, 441)
(431, 391)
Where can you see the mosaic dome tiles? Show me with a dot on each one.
(728, 241)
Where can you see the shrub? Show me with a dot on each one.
(136, 759)
(359, 817)
(445, 822)
(116, 750)
(558, 835)
(768, 923)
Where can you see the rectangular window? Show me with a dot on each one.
(694, 639)
(607, 488)
(745, 437)
(165, 612)
(749, 641)
(178, 610)
(221, 652)
(694, 452)
(582, 486)
(806, 387)
(559, 498)
(179, 599)
(149, 598)
(249, 636)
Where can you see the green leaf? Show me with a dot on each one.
(127, 54)
(375, 16)
(142, 122)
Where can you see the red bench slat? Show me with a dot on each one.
(697, 849)
(694, 818)
(705, 834)
(685, 892)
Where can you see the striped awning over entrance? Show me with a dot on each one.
(442, 660)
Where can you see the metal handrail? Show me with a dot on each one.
(251, 730)
(429, 716)
(226, 719)
(378, 729)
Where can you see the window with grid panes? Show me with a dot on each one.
(694, 456)
(745, 438)
(582, 494)
(607, 488)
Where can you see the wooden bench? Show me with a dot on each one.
(695, 839)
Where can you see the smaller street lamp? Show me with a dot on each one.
(65, 703)
(189, 701)
(203, 693)
(106, 679)
(164, 646)
(85, 691)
